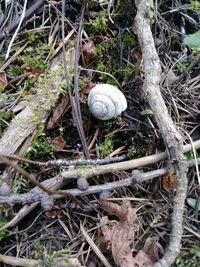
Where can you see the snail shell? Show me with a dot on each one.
(106, 101)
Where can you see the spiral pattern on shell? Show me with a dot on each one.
(106, 101)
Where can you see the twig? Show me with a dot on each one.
(18, 27)
(52, 183)
(125, 165)
(13, 261)
(32, 179)
(28, 13)
(94, 247)
(57, 262)
(64, 163)
(170, 135)
(36, 195)
(114, 167)
(14, 56)
(75, 102)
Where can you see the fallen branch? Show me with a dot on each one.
(57, 262)
(124, 165)
(55, 183)
(31, 178)
(23, 127)
(36, 194)
(170, 135)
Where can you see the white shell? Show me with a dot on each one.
(106, 101)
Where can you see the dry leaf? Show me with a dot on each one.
(31, 71)
(3, 80)
(58, 143)
(115, 209)
(170, 78)
(59, 112)
(169, 182)
(153, 248)
(141, 260)
(120, 235)
(89, 51)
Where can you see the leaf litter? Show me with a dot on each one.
(121, 237)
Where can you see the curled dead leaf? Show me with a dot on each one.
(3, 80)
(58, 143)
(89, 51)
(153, 248)
(169, 182)
(140, 260)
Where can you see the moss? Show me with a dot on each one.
(47, 91)
(106, 147)
(189, 258)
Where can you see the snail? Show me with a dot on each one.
(106, 101)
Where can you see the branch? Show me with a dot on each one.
(170, 135)
(25, 124)
(36, 195)
(57, 262)
(124, 165)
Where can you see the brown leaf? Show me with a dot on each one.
(169, 182)
(120, 235)
(140, 260)
(115, 209)
(170, 78)
(58, 143)
(89, 51)
(58, 112)
(122, 239)
(3, 80)
(32, 72)
(153, 248)
(107, 231)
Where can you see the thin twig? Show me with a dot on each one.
(36, 195)
(75, 102)
(113, 167)
(5, 32)
(32, 179)
(18, 27)
(125, 165)
(94, 247)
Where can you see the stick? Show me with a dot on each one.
(170, 135)
(124, 165)
(36, 195)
